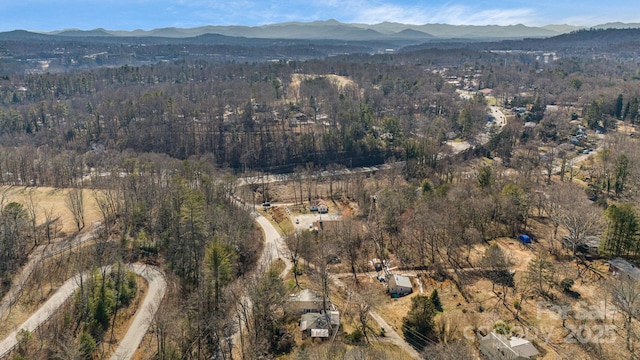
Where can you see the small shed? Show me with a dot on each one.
(525, 239)
(400, 285)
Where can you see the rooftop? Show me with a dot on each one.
(519, 346)
(625, 267)
(403, 281)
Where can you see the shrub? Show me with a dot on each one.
(566, 284)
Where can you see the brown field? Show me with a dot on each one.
(52, 198)
(296, 79)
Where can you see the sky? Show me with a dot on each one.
(49, 15)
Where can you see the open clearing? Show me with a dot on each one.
(296, 79)
(46, 198)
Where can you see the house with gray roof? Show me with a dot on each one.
(619, 266)
(308, 301)
(399, 285)
(497, 347)
(319, 325)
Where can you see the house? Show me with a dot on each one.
(316, 325)
(498, 347)
(519, 110)
(399, 285)
(589, 247)
(319, 206)
(323, 208)
(620, 266)
(308, 301)
(486, 92)
(260, 108)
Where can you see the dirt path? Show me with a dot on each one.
(137, 330)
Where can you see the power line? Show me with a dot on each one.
(418, 335)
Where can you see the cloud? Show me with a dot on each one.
(459, 15)
(449, 14)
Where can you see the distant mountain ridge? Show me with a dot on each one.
(335, 30)
(332, 29)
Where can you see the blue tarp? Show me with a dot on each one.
(525, 239)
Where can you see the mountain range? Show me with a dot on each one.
(334, 30)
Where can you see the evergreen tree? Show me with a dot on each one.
(485, 177)
(219, 259)
(418, 325)
(621, 172)
(539, 272)
(537, 109)
(621, 237)
(633, 113)
(435, 300)
(619, 107)
(593, 114)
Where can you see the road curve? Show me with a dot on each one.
(40, 253)
(274, 248)
(157, 286)
(137, 330)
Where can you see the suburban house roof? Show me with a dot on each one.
(307, 301)
(592, 241)
(401, 280)
(318, 202)
(625, 267)
(319, 333)
(314, 321)
(518, 347)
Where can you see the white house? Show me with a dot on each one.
(319, 206)
(400, 285)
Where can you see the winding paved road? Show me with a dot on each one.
(38, 254)
(157, 286)
(156, 289)
(274, 248)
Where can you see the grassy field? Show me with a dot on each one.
(47, 198)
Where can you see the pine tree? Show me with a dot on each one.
(418, 325)
(539, 272)
(619, 107)
(435, 299)
(621, 237)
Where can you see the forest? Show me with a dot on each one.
(167, 146)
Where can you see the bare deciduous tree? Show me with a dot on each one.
(51, 228)
(568, 206)
(625, 292)
(33, 217)
(75, 204)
